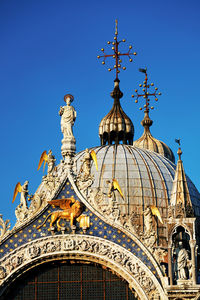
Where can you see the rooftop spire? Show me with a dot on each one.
(117, 54)
(116, 125)
(180, 197)
(146, 86)
(147, 141)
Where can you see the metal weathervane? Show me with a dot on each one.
(146, 93)
(117, 54)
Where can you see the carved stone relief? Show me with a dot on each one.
(80, 244)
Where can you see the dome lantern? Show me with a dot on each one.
(116, 126)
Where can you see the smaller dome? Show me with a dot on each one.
(116, 126)
(147, 141)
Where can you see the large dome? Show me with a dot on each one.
(144, 176)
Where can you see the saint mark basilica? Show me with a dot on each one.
(115, 221)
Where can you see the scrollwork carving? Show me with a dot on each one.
(108, 251)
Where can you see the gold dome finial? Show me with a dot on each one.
(117, 54)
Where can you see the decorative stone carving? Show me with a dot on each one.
(2, 273)
(36, 202)
(149, 236)
(51, 184)
(4, 227)
(178, 211)
(34, 251)
(159, 254)
(110, 209)
(84, 178)
(84, 245)
(129, 222)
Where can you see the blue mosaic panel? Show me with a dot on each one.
(97, 228)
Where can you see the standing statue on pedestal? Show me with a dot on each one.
(68, 117)
(182, 262)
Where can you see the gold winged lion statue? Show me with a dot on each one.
(72, 209)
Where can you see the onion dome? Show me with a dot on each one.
(147, 141)
(116, 125)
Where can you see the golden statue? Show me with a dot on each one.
(113, 186)
(49, 159)
(72, 209)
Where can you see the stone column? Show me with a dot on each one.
(170, 274)
(193, 260)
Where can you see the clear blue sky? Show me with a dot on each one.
(49, 48)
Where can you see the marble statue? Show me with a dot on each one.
(182, 262)
(148, 220)
(24, 194)
(85, 168)
(50, 162)
(68, 117)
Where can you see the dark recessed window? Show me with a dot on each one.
(71, 281)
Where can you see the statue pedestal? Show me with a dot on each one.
(68, 150)
(184, 282)
(68, 146)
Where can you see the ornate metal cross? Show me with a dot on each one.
(146, 94)
(117, 54)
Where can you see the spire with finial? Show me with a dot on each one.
(117, 55)
(180, 202)
(147, 141)
(116, 126)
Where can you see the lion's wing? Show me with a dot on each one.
(62, 203)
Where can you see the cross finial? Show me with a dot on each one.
(146, 93)
(117, 54)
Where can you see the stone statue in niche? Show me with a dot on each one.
(68, 117)
(182, 262)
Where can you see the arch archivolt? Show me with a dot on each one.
(83, 247)
(175, 227)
